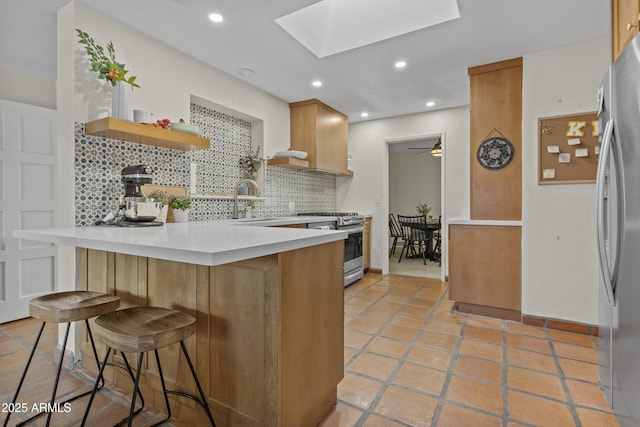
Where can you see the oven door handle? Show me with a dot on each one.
(352, 229)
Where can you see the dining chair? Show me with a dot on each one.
(395, 232)
(416, 236)
(437, 241)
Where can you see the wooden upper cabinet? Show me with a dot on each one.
(625, 17)
(322, 133)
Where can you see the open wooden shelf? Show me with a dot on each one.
(124, 130)
(289, 162)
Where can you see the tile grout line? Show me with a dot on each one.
(367, 412)
(451, 371)
(506, 415)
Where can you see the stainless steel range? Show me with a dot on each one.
(353, 224)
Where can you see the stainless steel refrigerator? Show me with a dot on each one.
(618, 230)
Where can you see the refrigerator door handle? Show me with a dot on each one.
(605, 152)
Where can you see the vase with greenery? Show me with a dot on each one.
(423, 208)
(103, 61)
(251, 164)
(180, 207)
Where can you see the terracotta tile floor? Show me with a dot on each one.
(16, 339)
(409, 361)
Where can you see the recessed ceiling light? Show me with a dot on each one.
(216, 17)
(401, 64)
(316, 83)
(364, 114)
(430, 104)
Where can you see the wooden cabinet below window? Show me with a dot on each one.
(485, 269)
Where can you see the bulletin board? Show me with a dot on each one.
(568, 148)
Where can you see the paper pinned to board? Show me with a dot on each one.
(548, 173)
(564, 158)
(574, 141)
(582, 152)
(553, 149)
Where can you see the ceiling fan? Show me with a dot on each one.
(435, 151)
(424, 149)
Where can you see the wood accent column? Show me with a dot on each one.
(496, 105)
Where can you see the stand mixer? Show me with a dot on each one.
(133, 178)
(136, 209)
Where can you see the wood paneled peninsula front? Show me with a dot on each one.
(268, 301)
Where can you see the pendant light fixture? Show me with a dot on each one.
(436, 151)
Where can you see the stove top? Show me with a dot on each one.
(344, 218)
(328, 214)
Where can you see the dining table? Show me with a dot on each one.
(430, 226)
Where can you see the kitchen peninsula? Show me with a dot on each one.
(268, 302)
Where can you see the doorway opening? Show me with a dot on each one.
(415, 176)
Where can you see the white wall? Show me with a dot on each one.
(559, 272)
(414, 177)
(28, 88)
(168, 79)
(367, 192)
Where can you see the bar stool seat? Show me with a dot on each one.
(143, 329)
(65, 307)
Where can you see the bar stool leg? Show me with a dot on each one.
(202, 401)
(24, 373)
(136, 386)
(57, 380)
(95, 354)
(100, 378)
(204, 404)
(164, 391)
(95, 387)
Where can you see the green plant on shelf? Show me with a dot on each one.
(180, 202)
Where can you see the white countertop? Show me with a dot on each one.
(201, 242)
(465, 220)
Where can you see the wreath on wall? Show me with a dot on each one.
(495, 152)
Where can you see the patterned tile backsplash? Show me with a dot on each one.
(99, 161)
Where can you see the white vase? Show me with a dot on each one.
(122, 101)
(180, 215)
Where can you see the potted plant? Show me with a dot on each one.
(180, 207)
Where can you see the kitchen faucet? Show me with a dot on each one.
(235, 197)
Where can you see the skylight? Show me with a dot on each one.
(333, 26)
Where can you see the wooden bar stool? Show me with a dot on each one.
(66, 307)
(143, 329)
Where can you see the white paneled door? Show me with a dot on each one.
(27, 200)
